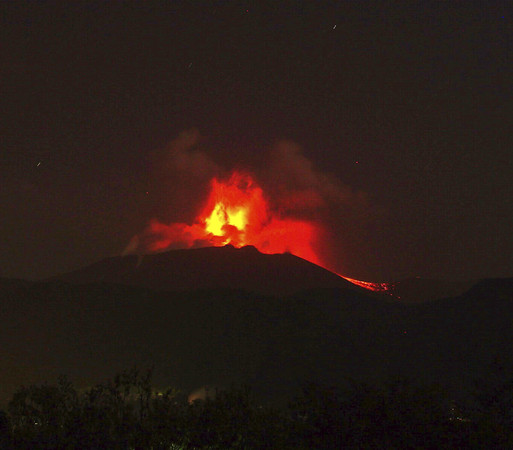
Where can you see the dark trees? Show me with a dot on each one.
(127, 413)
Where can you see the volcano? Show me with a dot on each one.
(249, 270)
(205, 268)
(222, 315)
(237, 212)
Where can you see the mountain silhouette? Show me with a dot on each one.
(418, 290)
(244, 268)
(94, 322)
(211, 268)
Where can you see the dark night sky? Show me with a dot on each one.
(418, 93)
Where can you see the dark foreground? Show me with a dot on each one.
(126, 413)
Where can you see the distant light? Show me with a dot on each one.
(334, 27)
(39, 163)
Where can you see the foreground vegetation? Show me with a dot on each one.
(126, 413)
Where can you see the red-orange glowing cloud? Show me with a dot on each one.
(238, 213)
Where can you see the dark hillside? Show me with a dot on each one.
(417, 290)
(274, 343)
(211, 268)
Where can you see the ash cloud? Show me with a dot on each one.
(183, 155)
(291, 181)
(178, 178)
(299, 187)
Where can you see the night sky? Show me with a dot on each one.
(404, 110)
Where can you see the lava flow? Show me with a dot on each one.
(238, 213)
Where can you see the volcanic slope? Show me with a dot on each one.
(211, 268)
(418, 290)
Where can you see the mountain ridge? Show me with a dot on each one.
(248, 269)
(210, 268)
(101, 319)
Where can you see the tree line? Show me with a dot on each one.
(128, 413)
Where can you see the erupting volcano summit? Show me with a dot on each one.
(237, 212)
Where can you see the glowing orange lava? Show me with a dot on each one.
(377, 287)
